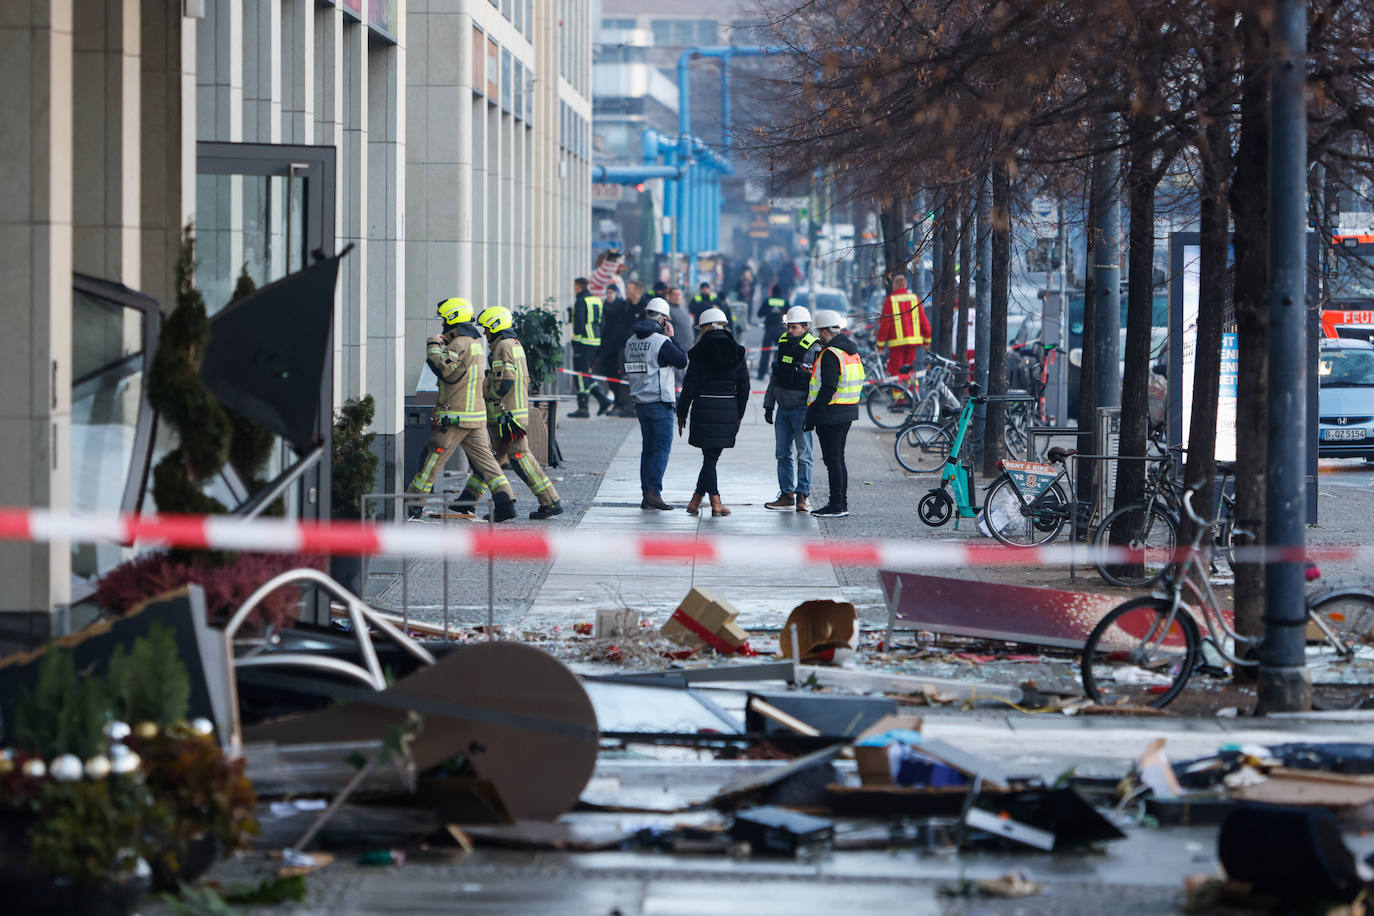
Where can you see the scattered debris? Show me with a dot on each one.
(820, 628)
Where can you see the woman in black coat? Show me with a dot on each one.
(714, 394)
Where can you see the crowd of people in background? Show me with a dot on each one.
(664, 356)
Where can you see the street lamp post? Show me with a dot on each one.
(1284, 683)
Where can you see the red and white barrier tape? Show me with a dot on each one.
(220, 532)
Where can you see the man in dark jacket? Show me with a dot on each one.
(715, 393)
(619, 318)
(650, 357)
(832, 405)
(771, 311)
(788, 387)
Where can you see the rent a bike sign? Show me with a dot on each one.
(1029, 477)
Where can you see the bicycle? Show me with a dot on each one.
(937, 507)
(892, 405)
(1027, 505)
(1145, 650)
(1150, 527)
(922, 446)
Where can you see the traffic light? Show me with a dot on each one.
(814, 232)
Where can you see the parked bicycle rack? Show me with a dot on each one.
(1076, 515)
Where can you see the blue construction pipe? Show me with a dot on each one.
(632, 174)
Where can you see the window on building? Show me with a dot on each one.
(684, 33)
(507, 86)
(616, 25)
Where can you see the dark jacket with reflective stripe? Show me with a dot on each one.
(791, 378)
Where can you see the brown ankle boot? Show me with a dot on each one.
(653, 500)
(717, 509)
(694, 504)
(802, 505)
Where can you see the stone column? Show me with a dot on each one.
(386, 372)
(329, 122)
(36, 174)
(353, 185)
(106, 161)
(168, 181)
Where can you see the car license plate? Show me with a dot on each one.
(1342, 434)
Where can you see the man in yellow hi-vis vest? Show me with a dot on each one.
(832, 404)
(460, 413)
(585, 317)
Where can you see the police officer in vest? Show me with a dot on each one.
(832, 404)
(508, 418)
(771, 310)
(585, 316)
(460, 414)
(650, 358)
(796, 352)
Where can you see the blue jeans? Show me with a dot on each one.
(787, 433)
(656, 427)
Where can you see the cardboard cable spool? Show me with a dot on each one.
(533, 734)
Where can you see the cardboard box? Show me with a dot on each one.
(875, 768)
(713, 614)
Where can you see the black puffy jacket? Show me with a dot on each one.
(715, 390)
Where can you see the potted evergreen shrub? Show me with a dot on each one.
(354, 474)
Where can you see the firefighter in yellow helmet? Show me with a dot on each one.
(508, 417)
(460, 415)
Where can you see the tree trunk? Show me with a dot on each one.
(1087, 395)
(961, 341)
(946, 237)
(1135, 384)
(1214, 149)
(983, 347)
(892, 218)
(997, 324)
(1249, 196)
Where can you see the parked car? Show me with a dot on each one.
(1345, 376)
(826, 297)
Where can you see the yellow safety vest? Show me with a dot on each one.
(590, 332)
(851, 378)
(462, 401)
(906, 320)
(803, 343)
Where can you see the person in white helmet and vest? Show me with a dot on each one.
(508, 418)
(832, 404)
(460, 413)
(650, 358)
(784, 407)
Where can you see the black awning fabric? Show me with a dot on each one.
(267, 353)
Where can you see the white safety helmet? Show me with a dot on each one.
(826, 318)
(658, 306)
(797, 314)
(710, 317)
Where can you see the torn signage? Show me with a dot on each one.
(1016, 613)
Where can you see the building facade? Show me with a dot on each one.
(276, 129)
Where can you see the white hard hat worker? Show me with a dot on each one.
(657, 306)
(797, 314)
(711, 318)
(826, 319)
